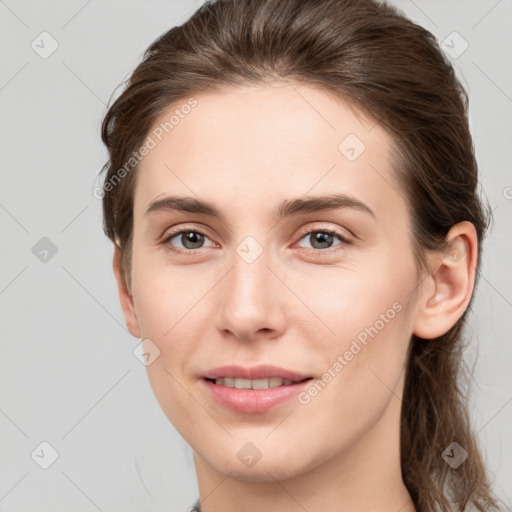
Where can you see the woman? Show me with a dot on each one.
(292, 195)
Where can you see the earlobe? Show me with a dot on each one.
(125, 296)
(448, 289)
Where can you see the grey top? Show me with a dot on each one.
(196, 507)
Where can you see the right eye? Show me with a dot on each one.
(191, 240)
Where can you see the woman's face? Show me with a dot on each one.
(274, 279)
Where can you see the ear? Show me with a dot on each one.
(447, 290)
(124, 295)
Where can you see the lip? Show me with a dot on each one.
(263, 371)
(253, 401)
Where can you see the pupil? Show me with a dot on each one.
(190, 237)
(322, 238)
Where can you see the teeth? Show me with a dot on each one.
(260, 384)
(243, 383)
(273, 382)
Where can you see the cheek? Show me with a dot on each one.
(169, 304)
(363, 369)
(345, 301)
(164, 308)
(164, 297)
(368, 320)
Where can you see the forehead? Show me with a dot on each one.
(258, 144)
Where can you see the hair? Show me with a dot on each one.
(370, 55)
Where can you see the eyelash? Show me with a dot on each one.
(342, 238)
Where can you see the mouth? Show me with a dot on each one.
(253, 390)
(267, 383)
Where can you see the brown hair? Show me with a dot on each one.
(393, 70)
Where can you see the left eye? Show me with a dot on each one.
(323, 238)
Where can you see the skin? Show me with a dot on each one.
(298, 305)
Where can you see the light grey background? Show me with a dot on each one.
(68, 375)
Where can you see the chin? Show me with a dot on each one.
(269, 468)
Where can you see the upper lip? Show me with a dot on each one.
(264, 371)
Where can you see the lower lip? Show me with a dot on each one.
(254, 400)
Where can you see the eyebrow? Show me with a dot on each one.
(300, 205)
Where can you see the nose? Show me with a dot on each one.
(251, 300)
